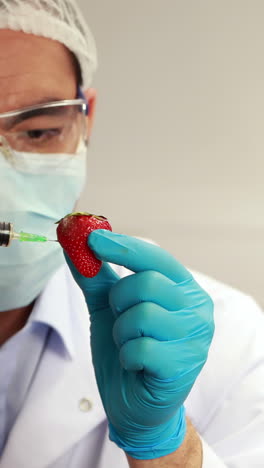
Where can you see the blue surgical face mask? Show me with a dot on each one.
(34, 197)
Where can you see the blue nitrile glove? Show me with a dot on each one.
(150, 335)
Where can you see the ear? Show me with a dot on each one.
(91, 96)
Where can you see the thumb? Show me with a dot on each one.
(96, 290)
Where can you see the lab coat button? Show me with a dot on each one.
(85, 405)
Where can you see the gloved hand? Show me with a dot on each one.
(150, 335)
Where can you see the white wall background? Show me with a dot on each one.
(178, 147)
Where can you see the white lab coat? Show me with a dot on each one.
(226, 405)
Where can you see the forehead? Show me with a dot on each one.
(33, 68)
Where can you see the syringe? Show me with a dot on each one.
(7, 235)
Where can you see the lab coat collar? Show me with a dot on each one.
(52, 420)
(53, 308)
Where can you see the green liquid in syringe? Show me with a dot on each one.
(27, 237)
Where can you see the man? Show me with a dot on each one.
(166, 402)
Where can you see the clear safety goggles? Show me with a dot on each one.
(49, 129)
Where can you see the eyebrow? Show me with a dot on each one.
(45, 100)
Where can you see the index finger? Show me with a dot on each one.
(136, 255)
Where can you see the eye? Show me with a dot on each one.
(43, 134)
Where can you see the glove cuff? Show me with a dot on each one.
(160, 449)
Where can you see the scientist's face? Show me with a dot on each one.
(35, 70)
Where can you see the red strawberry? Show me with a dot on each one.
(72, 232)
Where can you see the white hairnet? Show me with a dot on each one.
(60, 20)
